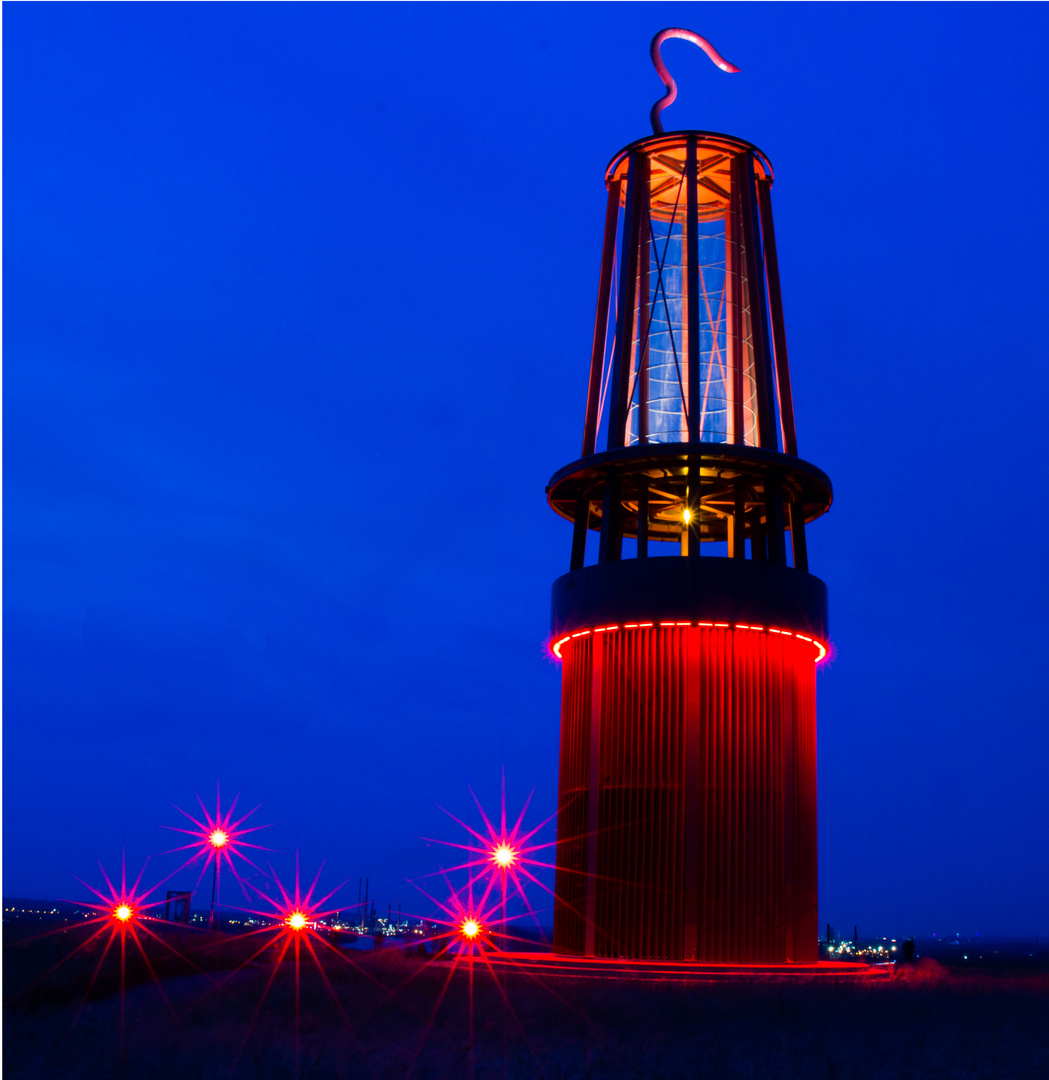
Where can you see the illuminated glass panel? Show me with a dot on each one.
(659, 367)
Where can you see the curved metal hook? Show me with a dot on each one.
(668, 79)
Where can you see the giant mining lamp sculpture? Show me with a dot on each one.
(687, 801)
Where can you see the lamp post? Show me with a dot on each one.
(504, 857)
(217, 839)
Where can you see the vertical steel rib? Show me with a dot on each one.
(758, 306)
(779, 334)
(604, 296)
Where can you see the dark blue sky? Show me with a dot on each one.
(299, 300)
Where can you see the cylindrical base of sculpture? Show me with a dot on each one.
(687, 803)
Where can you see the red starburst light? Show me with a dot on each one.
(294, 930)
(471, 912)
(467, 918)
(122, 924)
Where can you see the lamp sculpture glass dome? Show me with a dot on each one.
(687, 800)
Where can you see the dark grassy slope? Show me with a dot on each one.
(931, 1024)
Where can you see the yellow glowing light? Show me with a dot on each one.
(218, 838)
(296, 920)
(470, 929)
(123, 913)
(504, 855)
(687, 515)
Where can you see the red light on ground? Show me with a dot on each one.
(123, 913)
(218, 838)
(504, 855)
(470, 929)
(296, 920)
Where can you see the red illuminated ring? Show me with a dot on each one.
(821, 649)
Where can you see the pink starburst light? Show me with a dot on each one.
(218, 841)
(501, 859)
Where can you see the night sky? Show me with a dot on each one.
(299, 302)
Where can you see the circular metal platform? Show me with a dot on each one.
(702, 476)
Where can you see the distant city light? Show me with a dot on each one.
(470, 929)
(218, 838)
(123, 913)
(296, 920)
(504, 855)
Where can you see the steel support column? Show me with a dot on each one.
(777, 546)
(642, 519)
(579, 530)
(797, 537)
(621, 354)
(779, 334)
(604, 296)
(756, 296)
(691, 231)
(737, 524)
(611, 544)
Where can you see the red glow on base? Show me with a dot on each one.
(536, 963)
(686, 820)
